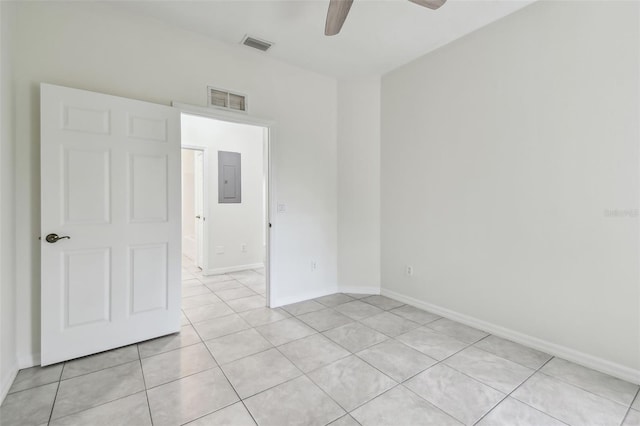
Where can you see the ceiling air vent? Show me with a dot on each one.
(256, 44)
(224, 99)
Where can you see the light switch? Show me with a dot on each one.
(282, 208)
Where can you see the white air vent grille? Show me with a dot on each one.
(256, 43)
(224, 99)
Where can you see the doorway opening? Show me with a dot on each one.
(225, 224)
(192, 207)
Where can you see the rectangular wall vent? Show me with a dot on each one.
(221, 98)
(256, 43)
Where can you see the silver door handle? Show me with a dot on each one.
(54, 238)
(197, 217)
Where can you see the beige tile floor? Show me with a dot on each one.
(340, 360)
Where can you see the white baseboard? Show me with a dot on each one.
(359, 290)
(6, 383)
(28, 361)
(218, 271)
(282, 301)
(590, 361)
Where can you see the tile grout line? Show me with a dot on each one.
(56, 395)
(402, 383)
(437, 363)
(286, 381)
(276, 347)
(306, 375)
(351, 354)
(263, 350)
(222, 335)
(180, 348)
(214, 294)
(144, 383)
(364, 348)
(303, 374)
(119, 364)
(167, 350)
(626, 414)
(551, 376)
(442, 361)
(219, 366)
(213, 412)
(535, 371)
(488, 335)
(480, 381)
(182, 377)
(515, 389)
(233, 312)
(60, 380)
(472, 378)
(97, 406)
(343, 416)
(522, 384)
(419, 397)
(560, 379)
(339, 405)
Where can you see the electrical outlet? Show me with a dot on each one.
(219, 249)
(314, 265)
(243, 248)
(408, 270)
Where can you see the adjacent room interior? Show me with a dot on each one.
(325, 212)
(225, 171)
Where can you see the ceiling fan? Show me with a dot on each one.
(338, 10)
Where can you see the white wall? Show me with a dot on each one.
(359, 185)
(8, 362)
(230, 226)
(501, 155)
(92, 47)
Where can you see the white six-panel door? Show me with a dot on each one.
(110, 181)
(198, 176)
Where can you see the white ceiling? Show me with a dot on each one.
(378, 36)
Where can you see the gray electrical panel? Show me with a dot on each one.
(229, 188)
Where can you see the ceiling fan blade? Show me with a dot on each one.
(431, 4)
(336, 15)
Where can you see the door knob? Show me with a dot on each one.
(53, 238)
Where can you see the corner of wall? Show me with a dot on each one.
(7, 381)
(278, 301)
(8, 359)
(358, 125)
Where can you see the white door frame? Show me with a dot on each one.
(205, 205)
(240, 118)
